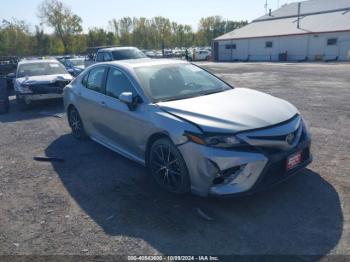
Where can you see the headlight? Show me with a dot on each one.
(219, 141)
(306, 127)
(25, 89)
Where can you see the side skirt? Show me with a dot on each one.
(120, 151)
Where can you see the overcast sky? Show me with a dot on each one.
(99, 12)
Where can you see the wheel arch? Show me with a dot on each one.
(154, 137)
(70, 107)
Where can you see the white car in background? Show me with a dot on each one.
(150, 54)
(39, 80)
(199, 55)
(159, 54)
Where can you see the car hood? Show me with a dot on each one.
(44, 79)
(235, 110)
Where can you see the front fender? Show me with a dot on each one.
(173, 126)
(69, 97)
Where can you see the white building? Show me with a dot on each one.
(309, 30)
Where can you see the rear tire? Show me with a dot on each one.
(168, 167)
(76, 124)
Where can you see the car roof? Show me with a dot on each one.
(37, 61)
(76, 58)
(116, 48)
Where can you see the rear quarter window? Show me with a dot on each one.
(84, 79)
(96, 78)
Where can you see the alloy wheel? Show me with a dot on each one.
(166, 167)
(75, 123)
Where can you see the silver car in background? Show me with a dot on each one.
(39, 80)
(192, 130)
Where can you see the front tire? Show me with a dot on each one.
(4, 107)
(22, 103)
(168, 167)
(76, 124)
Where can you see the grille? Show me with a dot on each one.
(272, 150)
(277, 138)
(273, 139)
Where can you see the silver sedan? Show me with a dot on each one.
(193, 131)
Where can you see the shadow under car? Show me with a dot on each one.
(302, 216)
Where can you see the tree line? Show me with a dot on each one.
(17, 38)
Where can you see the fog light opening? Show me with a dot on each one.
(228, 175)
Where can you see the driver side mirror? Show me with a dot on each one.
(11, 75)
(130, 100)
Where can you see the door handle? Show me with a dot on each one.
(103, 103)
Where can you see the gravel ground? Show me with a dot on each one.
(99, 203)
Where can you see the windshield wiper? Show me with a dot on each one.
(174, 99)
(211, 92)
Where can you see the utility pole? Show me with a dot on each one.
(299, 7)
(266, 7)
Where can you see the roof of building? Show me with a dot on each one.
(316, 16)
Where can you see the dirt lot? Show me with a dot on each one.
(98, 202)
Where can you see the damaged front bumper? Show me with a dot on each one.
(225, 173)
(36, 92)
(37, 97)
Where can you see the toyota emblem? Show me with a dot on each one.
(290, 138)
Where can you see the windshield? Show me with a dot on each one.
(77, 62)
(178, 81)
(37, 69)
(128, 54)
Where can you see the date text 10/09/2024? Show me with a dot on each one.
(173, 258)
